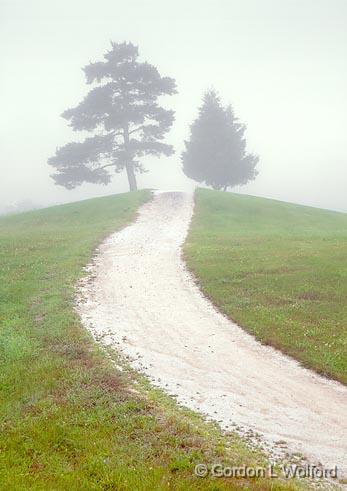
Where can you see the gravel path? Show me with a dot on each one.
(139, 297)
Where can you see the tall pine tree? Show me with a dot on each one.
(123, 112)
(216, 152)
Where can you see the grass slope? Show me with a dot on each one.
(68, 419)
(277, 269)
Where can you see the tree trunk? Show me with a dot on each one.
(131, 176)
(129, 164)
(225, 187)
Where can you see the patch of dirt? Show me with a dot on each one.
(309, 296)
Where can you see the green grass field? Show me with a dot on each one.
(277, 269)
(69, 420)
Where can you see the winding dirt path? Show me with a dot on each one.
(140, 298)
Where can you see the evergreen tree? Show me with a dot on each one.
(123, 112)
(216, 152)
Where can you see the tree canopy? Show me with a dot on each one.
(216, 151)
(123, 112)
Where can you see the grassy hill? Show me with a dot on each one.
(69, 419)
(277, 269)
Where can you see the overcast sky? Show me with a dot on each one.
(281, 64)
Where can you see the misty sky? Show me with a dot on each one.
(282, 65)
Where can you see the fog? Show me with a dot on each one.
(282, 65)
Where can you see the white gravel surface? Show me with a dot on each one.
(139, 297)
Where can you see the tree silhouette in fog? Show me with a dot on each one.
(216, 152)
(122, 111)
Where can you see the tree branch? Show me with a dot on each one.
(107, 165)
(142, 127)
